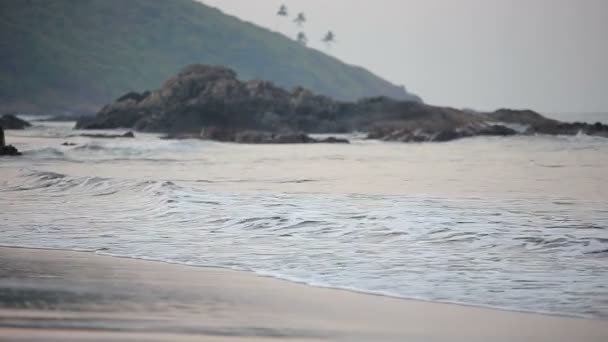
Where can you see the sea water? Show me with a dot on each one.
(517, 223)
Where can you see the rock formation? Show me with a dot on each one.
(202, 96)
(538, 124)
(254, 137)
(11, 121)
(213, 100)
(7, 150)
(108, 136)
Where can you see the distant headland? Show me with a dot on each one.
(75, 56)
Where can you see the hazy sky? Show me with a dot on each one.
(548, 55)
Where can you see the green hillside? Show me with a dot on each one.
(75, 55)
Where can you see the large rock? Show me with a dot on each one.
(203, 96)
(570, 128)
(525, 117)
(7, 150)
(443, 135)
(261, 137)
(108, 136)
(10, 121)
(213, 98)
(538, 124)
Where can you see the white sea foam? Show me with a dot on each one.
(518, 223)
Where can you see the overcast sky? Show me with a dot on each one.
(548, 55)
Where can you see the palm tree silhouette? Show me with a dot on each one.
(329, 38)
(283, 11)
(302, 39)
(300, 19)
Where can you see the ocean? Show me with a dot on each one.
(519, 223)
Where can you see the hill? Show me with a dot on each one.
(75, 55)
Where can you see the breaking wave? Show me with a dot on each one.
(468, 250)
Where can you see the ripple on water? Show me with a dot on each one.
(460, 250)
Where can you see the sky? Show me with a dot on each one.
(547, 55)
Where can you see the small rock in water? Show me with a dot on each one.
(261, 137)
(497, 130)
(447, 135)
(109, 136)
(68, 144)
(9, 150)
(334, 140)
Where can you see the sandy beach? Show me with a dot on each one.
(77, 296)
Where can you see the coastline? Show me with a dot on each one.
(67, 295)
(314, 284)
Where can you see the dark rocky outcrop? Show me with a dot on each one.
(334, 140)
(538, 124)
(205, 96)
(570, 128)
(137, 97)
(202, 96)
(213, 100)
(444, 135)
(496, 130)
(11, 121)
(525, 117)
(254, 137)
(109, 136)
(7, 150)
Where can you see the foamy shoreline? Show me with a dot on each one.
(75, 296)
(280, 277)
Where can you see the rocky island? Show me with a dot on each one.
(210, 102)
(11, 121)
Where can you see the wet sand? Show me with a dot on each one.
(50, 295)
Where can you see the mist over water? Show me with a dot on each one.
(519, 222)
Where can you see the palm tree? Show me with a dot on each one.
(302, 39)
(329, 38)
(283, 11)
(300, 19)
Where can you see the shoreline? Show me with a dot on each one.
(81, 295)
(353, 290)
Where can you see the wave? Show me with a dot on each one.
(149, 149)
(189, 201)
(122, 152)
(310, 282)
(91, 147)
(47, 182)
(45, 153)
(461, 250)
